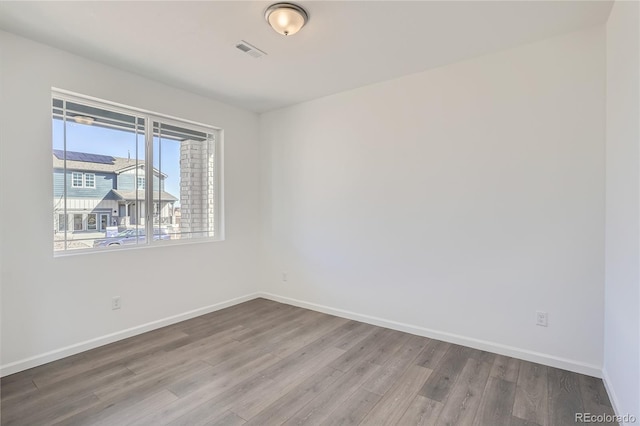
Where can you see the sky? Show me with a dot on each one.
(119, 143)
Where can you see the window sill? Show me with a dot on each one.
(113, 249)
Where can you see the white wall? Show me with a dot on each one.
(622, 295)
(457, 201)
(50, 303)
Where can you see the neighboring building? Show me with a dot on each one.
(105, 191)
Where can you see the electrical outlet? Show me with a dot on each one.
(541, 318)
(284, 276)
(116, 303)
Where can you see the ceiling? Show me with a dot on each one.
(345, 45)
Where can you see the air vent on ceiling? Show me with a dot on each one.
(249, 49)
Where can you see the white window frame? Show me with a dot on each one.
(80, 180)
(141, 180)
(149, 118)
(84, 180)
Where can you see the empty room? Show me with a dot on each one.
(320, 213)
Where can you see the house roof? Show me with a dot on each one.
(96, 163)
(140, 195)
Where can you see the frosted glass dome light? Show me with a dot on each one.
(286, 18)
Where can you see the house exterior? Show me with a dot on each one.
(104, 191)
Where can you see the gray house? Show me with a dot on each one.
(103, 191)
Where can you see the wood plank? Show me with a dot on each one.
(594, 395)
(285, 376)
(217, 394)
(445, 374)
(212, 349)
(464, 399)
(271, 363)
(152, 381)
(396, 366)
(531, 401)
(517, 421)
(421, 412)
(204, 409)
(321, 407)
(482, 356)
(594, 398)
(274, 327)
(395, 402)
(127, 415)
(51, 413)
(376, 348)
(432, 353)
(306, 334)
(16, 388)
(67, 392)
(247, 320)
(229, 419)
(223, 374)
(353, 409)
(354, 332)
(287, 405)
(108, 356)
(505, 368)
(564, 396)
(496, 403)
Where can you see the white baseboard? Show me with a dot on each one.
(541, 358)
(34, 361)
(524, 354)
(612, 394)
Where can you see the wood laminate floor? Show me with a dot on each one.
(266, 363)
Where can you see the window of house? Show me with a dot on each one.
(77, 222)
(157, 176)
(92, 221)
(62, 222)
(76, 180)
(89, 180)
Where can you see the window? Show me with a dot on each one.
(89, 180)
(77, 222)
(92, 221)
(76, 180)
(149, 175)
(83, 180)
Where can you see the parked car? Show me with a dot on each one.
(131, 236)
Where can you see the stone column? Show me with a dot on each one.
(197, 188)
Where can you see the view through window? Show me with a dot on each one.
(105, 192)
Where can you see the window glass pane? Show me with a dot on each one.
(101, 177)
(97, 156)
(77, 222)
(92, 221)
(76, 180)
(183, 183)
(89, 180)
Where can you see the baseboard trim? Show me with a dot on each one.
(610, 391)
(524, 354)
(57, 354)
(532, 356)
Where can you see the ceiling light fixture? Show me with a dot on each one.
(83, 119)
(286, 18)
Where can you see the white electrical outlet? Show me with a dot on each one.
(541, 318)
(284, 276)
(116, 303)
